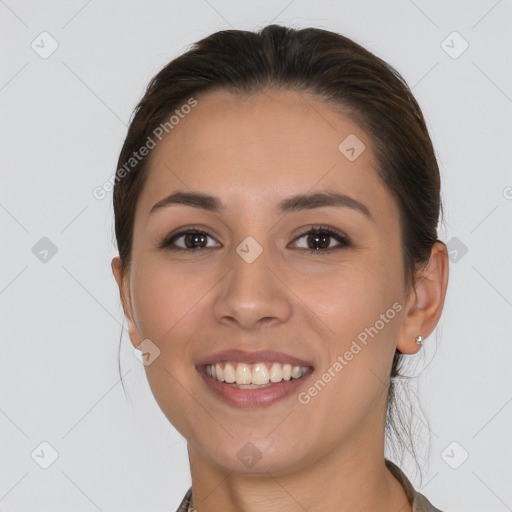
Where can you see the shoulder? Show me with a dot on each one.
(185, 503)
(421, 504)
(418, 501)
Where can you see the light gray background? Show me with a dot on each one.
(63, 120)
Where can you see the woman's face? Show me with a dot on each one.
(257, 281)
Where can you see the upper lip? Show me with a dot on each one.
(253, 357)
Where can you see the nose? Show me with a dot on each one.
(252, 294)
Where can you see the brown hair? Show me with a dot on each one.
(330, 66)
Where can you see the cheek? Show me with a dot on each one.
(351, 296)
(361, 306)
(167, 310)
(164, 298)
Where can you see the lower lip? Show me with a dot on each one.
(248, 398)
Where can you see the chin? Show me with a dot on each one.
(255, 454)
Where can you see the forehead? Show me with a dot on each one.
(250, 149)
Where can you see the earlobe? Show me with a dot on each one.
(124, 295)
(425, 302)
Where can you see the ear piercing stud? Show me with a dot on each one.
(419, 340)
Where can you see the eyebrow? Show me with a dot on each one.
(291, 204)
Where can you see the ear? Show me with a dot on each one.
(426, 300)
(124, 293)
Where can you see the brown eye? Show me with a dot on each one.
(190, 240)
(319, 240)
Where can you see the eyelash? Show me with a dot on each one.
(318, 229)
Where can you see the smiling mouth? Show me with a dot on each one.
(254, 376)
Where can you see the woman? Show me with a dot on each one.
(276, 207)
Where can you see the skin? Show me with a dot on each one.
(252, 152)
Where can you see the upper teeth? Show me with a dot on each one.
(258, 373)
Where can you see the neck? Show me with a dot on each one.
(345, 480)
